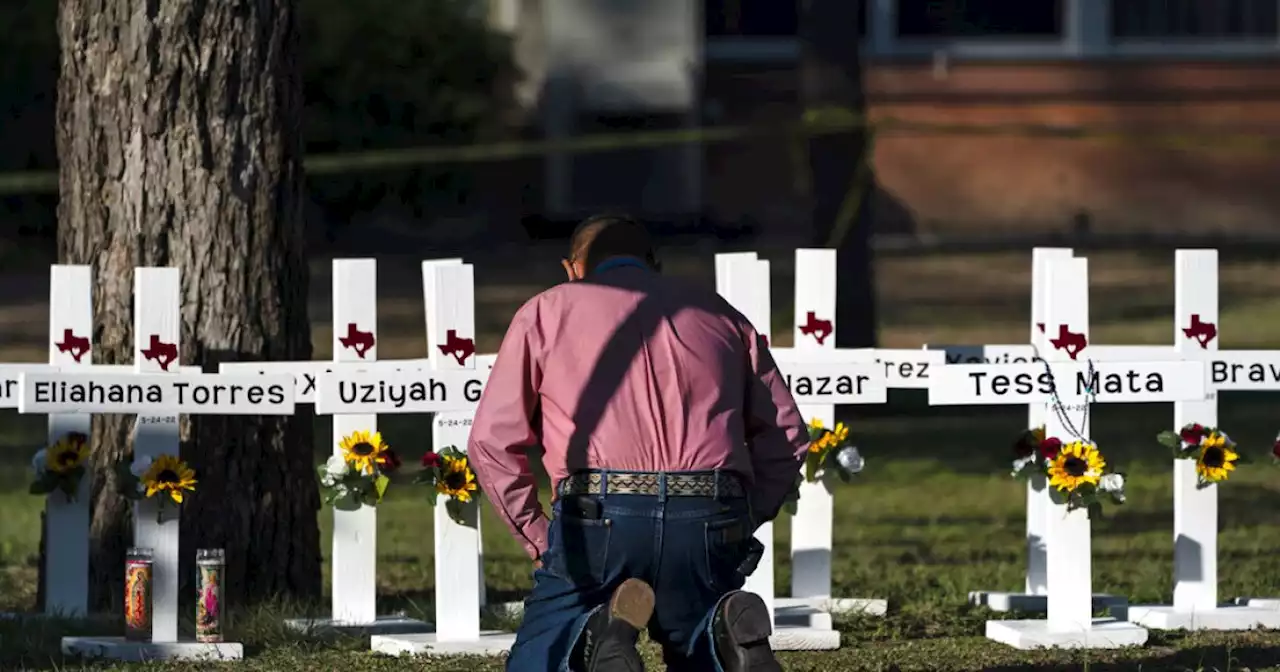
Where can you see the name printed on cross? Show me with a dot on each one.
(306, 374)
(835, 383)
(1244, 370)
(152, 394)
(405, 391)
(905, 368)
(1134, 382)
(11, 381)
(987, 354)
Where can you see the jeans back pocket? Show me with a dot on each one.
(579, 548)
(726, 548)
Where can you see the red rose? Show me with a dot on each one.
(1192, 435)
(1275, 449)
(430, 460)
(1049, 448)
(390, 461)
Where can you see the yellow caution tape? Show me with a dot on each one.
(814, 123)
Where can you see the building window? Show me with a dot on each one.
(751, 18)
(980, 18)
(763, 18)
(1195, 19)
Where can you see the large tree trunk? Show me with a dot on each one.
(842, 182)
(179, 145)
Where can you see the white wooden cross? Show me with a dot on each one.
(811, 603)
(66, 525)
(743, 280)
(158, 395)
(353, 563)
(453, 383)
(1195, 510)
(1070, 622)
(1034, 596)
(66, 576)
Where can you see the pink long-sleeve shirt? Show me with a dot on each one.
(632, 371)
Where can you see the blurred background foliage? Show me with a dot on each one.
(376, 74)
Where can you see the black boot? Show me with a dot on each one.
(608, 642)
(741, 630)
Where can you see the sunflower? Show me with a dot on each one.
(456, 478)
(1217, 460)
(363, 450)
(1076, 464)
(169, 474)
(67, 454)
(822, 439)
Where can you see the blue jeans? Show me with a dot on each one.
(689, 549)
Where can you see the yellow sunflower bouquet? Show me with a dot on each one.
(360, 473)
(166, 478)
(449, 473)
(1214, 452)
(60, 467)
(1080, 478)
(831, 452)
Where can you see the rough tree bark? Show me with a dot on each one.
(179, 145)
(831, 87)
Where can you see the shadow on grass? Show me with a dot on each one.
(1193, 659)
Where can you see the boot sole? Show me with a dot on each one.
(632, 603)
(746, 621)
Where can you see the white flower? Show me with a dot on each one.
(140, 465)
(340, 489)
(1021, 463)
(38, 462)
(336, 466)
(327, 480)
(1111, 483)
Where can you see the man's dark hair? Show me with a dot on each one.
(603, 236)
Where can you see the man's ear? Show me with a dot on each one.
(570, 270)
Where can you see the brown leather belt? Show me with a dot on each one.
(703, 484)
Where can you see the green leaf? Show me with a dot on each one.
(811, 467)
(454, 507)
(380, 486)
(1170, 439)
(1057, 496)
(348, 503)
(1095, 511)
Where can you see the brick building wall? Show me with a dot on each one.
(950, 182)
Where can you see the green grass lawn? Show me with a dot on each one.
(934, 516)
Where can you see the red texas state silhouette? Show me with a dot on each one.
(160, 352)
(1202, 332)
(460, 348)
(818, 329)
(361, 342)
(1069, 341)
(76, 346)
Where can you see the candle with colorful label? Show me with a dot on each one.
(211, 564)
(137, 594)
